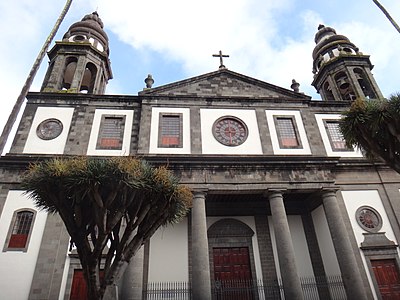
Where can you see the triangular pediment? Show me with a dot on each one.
(224, 83)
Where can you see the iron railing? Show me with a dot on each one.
(322, 288)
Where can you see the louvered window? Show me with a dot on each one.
(287, 133)
(170, 131)
(111, 132)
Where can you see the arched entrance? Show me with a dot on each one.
(231, 259)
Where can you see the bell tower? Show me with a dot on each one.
(80, 62)
(341, 71)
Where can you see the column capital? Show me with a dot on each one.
(199, 193)
(271, 193)
(328, 191)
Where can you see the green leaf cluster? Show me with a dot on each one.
(374, 126)
(61, 183)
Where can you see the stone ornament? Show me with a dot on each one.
(49, 129)
(369, 219)
(230, 131)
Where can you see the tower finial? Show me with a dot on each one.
(149, 81)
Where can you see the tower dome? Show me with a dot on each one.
(341, 72)
(89, 29)
(80, 62)
(330, 45)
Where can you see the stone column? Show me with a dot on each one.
(344, 252)
(284, 245)
(132, 285)
(201, 284)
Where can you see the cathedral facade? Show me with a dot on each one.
(282, 209)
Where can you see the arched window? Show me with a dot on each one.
(89, 77)
(69, 72)
(20, 230)
(328, 92)
(364, 84)
(345, 88)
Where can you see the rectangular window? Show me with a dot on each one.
(170, 131)
(336, 139)
(111, 132)
(287, 133)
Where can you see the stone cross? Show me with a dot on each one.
(221, 62)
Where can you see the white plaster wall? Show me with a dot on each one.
(353, 200)
(96, 128)
(302, 256)
(301, 251)
(64, 277)
(249, 221)
(169, 260)
(155, 118)
(34, 144)
(17, 267)
(210, 145)
(325, 243)
(300, 127)
(321, 126)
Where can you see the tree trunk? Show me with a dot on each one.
(386, 13)
(20, 100)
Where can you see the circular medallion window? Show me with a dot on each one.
(230, 131)
(49, 129)
(369, 219)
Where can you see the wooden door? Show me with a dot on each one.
(232, 273)
(388, 278)
(79, 287)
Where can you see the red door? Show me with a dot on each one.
(79, 287)
(388, 278)
(232, 273)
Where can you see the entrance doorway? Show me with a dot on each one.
(79, 287)
(232, 273)
(231, 263)
(387, 277)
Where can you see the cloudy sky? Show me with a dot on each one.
(271, 40)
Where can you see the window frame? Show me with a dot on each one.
(160, 130)
(331, 141)
(304, 148)
(102, 129)
(95, 131)
(11, 229)
(320, 118)
(292, 118)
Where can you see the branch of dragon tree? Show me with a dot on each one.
(134, 209)
(110, 254)
(100, 213)
(100, 244)
(385, 153)
(97, 196)
(132, 196)
(393, 131)
(78, 215)
(153, 225)
(88, 271)
(111, 196)
(112, 221)
(141, 215)
(130, 229)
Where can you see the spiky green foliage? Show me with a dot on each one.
(374, 126)
(120, 201)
